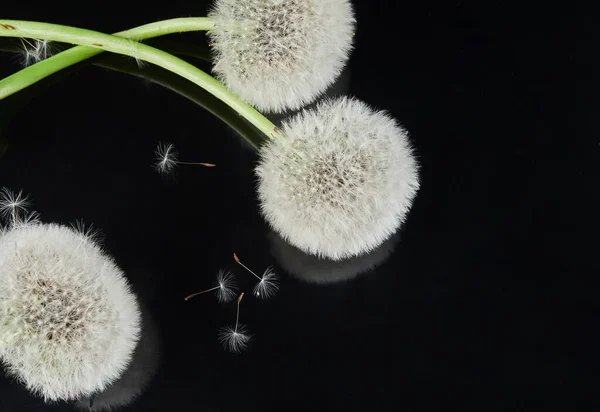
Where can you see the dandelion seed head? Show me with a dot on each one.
(279, 55)
(68, 319)
(234, 339)
(340, 180)
(166, 158)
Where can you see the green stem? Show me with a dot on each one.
(114, 44)
(38, 71)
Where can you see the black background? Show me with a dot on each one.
(488, 283)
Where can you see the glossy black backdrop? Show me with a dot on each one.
(480, 287)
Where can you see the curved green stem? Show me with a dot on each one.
(44, 68)
(119, 45)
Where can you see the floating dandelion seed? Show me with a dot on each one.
(235, 339)
(166, 159)
(12, 204)
(225, 287)
(268, 282)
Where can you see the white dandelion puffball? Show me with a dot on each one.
(280, 54)
(69, 322)
(340, 180)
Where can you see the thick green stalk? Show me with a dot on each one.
(44, 68)
(119, 45)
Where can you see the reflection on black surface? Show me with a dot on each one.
(313, 269)
(138, 375)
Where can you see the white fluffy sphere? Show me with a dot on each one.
(68, 320)
(339, 181)
(280, 54)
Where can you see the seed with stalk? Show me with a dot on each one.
(235, 339)
(268, 283)
(225, 287)
(166, 159)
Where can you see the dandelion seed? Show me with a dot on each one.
(12, 204)
(139, 62)
(225, 287)
(268, 284)
(235, 339)
(34, 52)
(166, 159)
(88, 233)
(29, 218)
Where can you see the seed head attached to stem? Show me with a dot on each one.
(235, 339)
(268, 283)
(166, 159)
(340, 181)
(279, 55)
(225, 287)
(69, 320)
